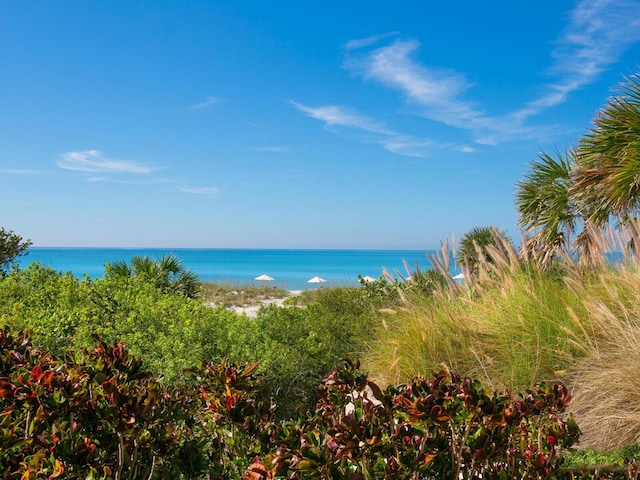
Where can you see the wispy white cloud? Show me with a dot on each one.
(367, 42)
(207, 103)
(436, 91)
(392, 65)
(127, 180)
(334, 115)
(98, 169)
(274, 148)
(207, 191)
(408, 146)
(389, 139)
(21, 171)
(92, 161)
(597, 34)
(437, 94)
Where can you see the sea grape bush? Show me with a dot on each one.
(97, 414)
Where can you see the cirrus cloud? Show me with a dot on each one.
(335, 115)
(390, 140)
(598, 32)
(92, 161)
(21, 171)
(596, 35)
(207, 191)
(207, 103)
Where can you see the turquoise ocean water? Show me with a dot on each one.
(291, 269)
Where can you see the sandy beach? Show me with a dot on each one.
(252, 310)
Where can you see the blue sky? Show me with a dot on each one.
(284, 124)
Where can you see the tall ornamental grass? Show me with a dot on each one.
(606, 381)
(423, 337)
(513, 324)
(516, 331)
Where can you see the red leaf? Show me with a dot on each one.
(36, 373)
(6, 389)
(47, 377)
(257, 471)
(231, 401)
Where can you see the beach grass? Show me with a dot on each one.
(514, 325)
(606, 382)
(247, 295)
(511, 335)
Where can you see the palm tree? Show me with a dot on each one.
(167, 273)
(473, 251)
(589, 186)
(547, 211)
(608, 174)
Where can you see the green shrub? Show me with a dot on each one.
(589, 457)
(170, 331)
(12, 246)
(297, 346)
(53, 304)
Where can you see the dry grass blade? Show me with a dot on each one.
(607, 389)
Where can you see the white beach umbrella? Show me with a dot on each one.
(368, 279)
(264, 278)
(316, 280)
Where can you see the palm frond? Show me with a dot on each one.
(609, 154)
(543, 201)
(119, 268)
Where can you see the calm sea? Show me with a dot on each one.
(291, 269)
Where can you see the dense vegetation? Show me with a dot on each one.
(172, 331)
(98, 414)
(514, 324)
(200, 391)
